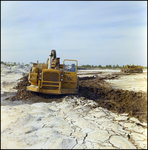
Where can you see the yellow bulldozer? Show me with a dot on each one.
(53, 77)
(132, 69)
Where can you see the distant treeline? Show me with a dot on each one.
(83, 66)
(107, 66)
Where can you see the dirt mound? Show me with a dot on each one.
(94, 88)
(23, 94)
(120, 101)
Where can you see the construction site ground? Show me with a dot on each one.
(95, 88)
(109, 112)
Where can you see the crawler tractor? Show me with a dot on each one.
(132, 69)
(53, 77)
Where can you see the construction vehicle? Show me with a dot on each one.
(132, 69)
(53, 77)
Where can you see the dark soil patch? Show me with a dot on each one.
(94, 88)
(115, 100)
(34, 97)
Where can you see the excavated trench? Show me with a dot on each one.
(97, 89)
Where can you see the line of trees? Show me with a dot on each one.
(99, 66)
(83, 66)
(107, 66)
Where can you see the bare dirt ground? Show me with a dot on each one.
(97, 89)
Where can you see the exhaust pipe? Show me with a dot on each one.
(50, 59)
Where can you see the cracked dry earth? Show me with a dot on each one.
(99, 117)
(71, 124)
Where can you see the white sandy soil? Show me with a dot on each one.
(135, 82)
(70, 124)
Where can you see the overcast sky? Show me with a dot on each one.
(92, 32)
